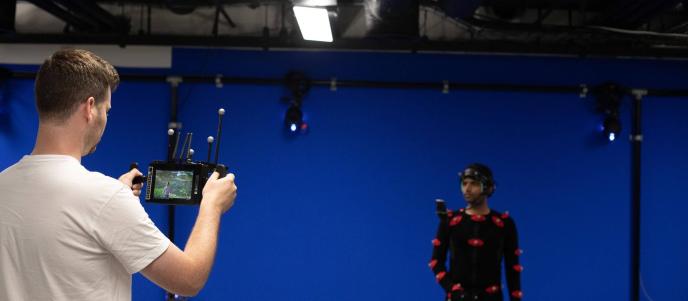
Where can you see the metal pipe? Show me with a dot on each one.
(636, 164)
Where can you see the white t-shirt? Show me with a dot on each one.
(70, 234)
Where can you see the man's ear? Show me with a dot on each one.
(491, 190)
(90, 109)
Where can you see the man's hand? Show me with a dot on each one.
(128, 179)
(186, 272)
(219, 193)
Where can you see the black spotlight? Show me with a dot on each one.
(298, 85)
(612, 127)
(293, 119)
(608, 102)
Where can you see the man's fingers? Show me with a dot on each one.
(128, 179)
(230, 177)
(135, 173)
(130, 175)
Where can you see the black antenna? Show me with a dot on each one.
(183, 149)
(220, 113)
(210, 146)
(176, 144)
(189, 150)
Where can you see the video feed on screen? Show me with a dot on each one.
(173, 184)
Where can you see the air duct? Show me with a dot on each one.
(391, 18)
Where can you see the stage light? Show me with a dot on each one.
(293, 119)
(298, 85)
(612, 127)
(609, 98)
(313, 18)
(314, 23)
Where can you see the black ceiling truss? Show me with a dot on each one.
(645, 28)
(84, 16)
(220, 10)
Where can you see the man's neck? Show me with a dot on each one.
(57, 140)
(480, 209)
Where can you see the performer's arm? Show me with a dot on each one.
(511, 260)
(439, 253)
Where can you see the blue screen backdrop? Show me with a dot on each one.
(346, 211)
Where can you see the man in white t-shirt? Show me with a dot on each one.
(70, 234)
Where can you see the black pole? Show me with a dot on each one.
(173, 124)
(636, 145)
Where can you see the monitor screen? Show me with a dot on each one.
(173, 184)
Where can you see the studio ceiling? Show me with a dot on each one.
(561, 27)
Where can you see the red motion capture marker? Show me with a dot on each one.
(436, 242)
(505, 215)
(440, 275)
(492, 289)
(517, 294)
(457, 287)
(432, 264)
(477, 243)
(456, 220)
(518, 268)
(478, 218)
(498, 221)
(518, 252)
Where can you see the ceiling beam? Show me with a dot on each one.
(601, 49)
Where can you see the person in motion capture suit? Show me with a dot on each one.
(479, 239)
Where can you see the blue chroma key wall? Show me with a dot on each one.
(665, 162)
(346, 212)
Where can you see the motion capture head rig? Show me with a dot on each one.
(482, 174)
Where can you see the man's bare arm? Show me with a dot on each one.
(186, 272)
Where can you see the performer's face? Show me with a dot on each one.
(472, 191)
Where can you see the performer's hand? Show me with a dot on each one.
(128, 179)
(440, 206)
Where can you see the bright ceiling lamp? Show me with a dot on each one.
(314, 23)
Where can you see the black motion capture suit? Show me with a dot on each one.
(477, 244)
